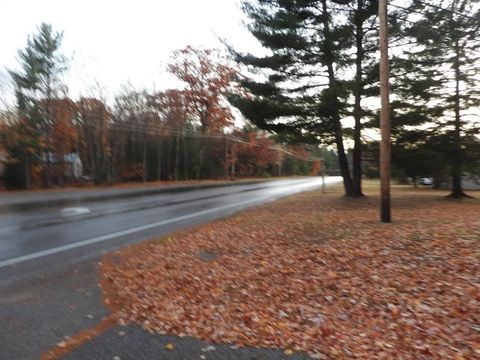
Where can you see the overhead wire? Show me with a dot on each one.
(175, 132)
(446, 10)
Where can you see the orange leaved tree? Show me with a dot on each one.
(208, 78)
(64, 134)
(254, 154)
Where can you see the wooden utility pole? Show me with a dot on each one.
(385, 158)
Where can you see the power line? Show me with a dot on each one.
(407, 9)
(393, 16)
(144, 130)
(447, 10)
(356, 11)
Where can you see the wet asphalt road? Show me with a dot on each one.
(37, 237)
(48, 267)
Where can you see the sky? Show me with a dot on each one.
(114, 43)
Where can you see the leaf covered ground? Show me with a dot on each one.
(316, 273)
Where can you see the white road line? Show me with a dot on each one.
(133, 230)
(98, 239)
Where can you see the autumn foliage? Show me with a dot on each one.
(317, 274)
(174, 107)
(207, 80)
(172, 134)
(254, 154)
(64, 133)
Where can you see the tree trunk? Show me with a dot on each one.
(185, 159)
(201, 154)
(177, 154)
(357, 112)
(232, 170)
(28, 181)
(329, 59)
(93, 160)
(457, 190)
(343, 164)
(48, 123)
(48, 172)
(144, 161)
(159, 161)
(226, 158)
(61, 170)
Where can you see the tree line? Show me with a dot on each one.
(318, 85)
(143, 136)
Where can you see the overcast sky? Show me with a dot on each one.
(119, 42)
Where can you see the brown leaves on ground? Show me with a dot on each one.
(316, 273)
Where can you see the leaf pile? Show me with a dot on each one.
(315, 273)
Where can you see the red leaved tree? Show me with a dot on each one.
(255, 154)
(208, 78)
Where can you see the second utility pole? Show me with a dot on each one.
(385, 158)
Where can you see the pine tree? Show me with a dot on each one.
(445, 64)
(302, 88)
(360, 36)
(38, 82)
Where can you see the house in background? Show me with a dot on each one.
(67, 170)
(74, 166)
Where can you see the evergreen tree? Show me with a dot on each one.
(443, 68)
(302, 87)
(361, 24)
(38, 82)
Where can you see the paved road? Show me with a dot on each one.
(48, 260)
(59, 233)
(21, 200)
